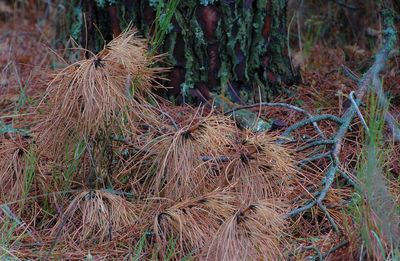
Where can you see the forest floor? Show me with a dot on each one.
(27, 231)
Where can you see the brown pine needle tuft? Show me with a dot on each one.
(13, 168)
(100, 93)
(259, 167)
(178, 169)
(253, 233)
(95, 216)
(193, 222)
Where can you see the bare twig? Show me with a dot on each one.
(166, 114)
(210, 158)
(10, 214)
(349, 73)
(338, 246)
(349, 180)
(352, 99)
(319, 256)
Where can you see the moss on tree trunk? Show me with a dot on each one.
(232, 48)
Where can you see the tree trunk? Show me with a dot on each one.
(233, 48)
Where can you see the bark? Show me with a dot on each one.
(232, 48)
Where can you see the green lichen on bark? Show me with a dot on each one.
(231, 47)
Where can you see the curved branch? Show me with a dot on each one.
(279, 104)
(312, 120)
(315, 143)
(315, 157)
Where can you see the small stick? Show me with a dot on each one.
(352, 99)
(338, 246)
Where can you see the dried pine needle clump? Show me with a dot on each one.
(17, 167)
(96, 216)
(101, 93)
(182, 160)
(259, 168)
(253, 233)
(192, 223)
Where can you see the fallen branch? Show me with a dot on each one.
(315, 158)
(370, 78)
(349, 179)
(353, 101)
